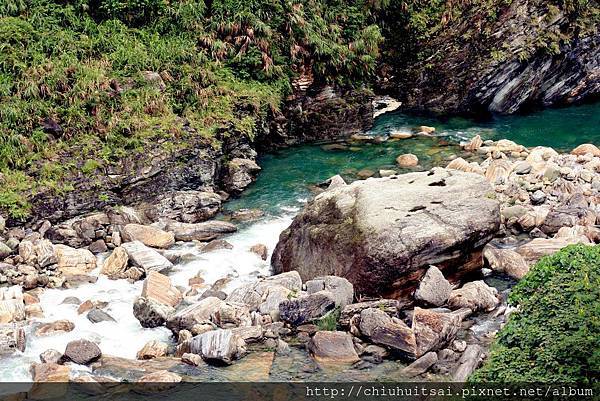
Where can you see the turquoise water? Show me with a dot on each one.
(288, 176)
(562, 129)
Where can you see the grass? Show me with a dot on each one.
(329, 322)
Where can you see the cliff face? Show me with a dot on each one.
(503, 59)
(163, 177)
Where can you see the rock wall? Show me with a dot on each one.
(531, 55)
(189, 183)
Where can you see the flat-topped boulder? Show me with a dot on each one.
(382, 234)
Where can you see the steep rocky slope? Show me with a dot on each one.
(500, 57)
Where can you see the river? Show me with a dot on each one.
(286, 182)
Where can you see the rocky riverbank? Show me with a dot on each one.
(414, 295)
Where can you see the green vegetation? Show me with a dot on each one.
(555, 335)
(85, 83)
(329, 322)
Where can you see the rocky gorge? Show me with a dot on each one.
(403, 276)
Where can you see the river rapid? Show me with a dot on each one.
(286, 182)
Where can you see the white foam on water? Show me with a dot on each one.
(126, 336)
(239, 264)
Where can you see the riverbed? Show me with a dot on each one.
(287, 181)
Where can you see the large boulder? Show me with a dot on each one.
(146, 258)
(148, 235)
(381, 234)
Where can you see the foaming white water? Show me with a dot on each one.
(126, 336)
(239, 264)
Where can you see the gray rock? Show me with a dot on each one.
(266, 294)
(476, 295)
(433, 289)
(4, 250)
(82, 352)
(213, 293)
(216, 245)
(468, 362)
(380, 329)
(433, 330)
(197, 313)
(306, 309)
(342, 289)
(538, 197)
(185, 206)
(522, 168)
(389, 306)
(50, 356)
(333, 347)
(250, 334)
(219, 345)
(378, 232)
(421, 365)
(151, 313)
(2, 224)
(205, 231)
(98, 315)
(146, 258)
(71, 301)
(239, 173)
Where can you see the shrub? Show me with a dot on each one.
(555, 335)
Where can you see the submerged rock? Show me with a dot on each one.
(381, 234)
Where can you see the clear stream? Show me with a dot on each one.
(281, 189)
